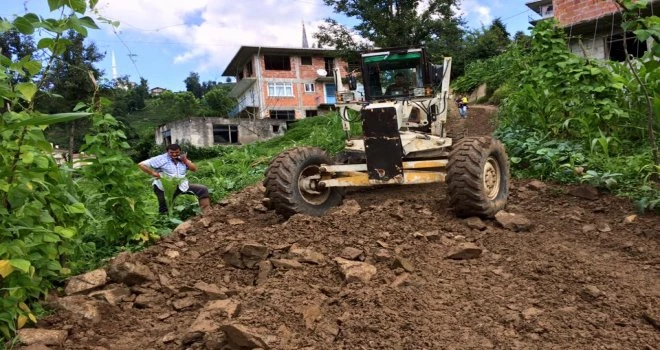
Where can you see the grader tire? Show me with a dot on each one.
(478, 177)
(285, 179)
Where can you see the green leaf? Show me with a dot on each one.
(48, 119)
(92, 3)
(65, 232)
(46, 43)
(79, 106)
(33, 67)
(78, 5)
(50, 237)
(27, 157)
(55, 4)
(20, 264)
(76, 208)
(23, 25)
(88, 22)
(5, 26)
(27, 90)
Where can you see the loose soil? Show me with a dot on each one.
(580, 278)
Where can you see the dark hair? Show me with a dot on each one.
(173, 147)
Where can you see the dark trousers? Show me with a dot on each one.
(200, 191)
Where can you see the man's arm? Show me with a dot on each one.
(144, 167)
(191, 166)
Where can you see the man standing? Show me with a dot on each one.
(174, 164)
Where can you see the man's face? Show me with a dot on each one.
(399, 80)
(174, 154)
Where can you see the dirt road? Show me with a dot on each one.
(376, 273)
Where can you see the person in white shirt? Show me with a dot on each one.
(174, 164)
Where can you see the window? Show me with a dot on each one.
(311, 113)
(276, 128)
(615, 46)
(280, 89)
(275, 62)
(282, 115)
(167, 137)
(223, 133)
(306, 60)
(329, 65)
(310, 87)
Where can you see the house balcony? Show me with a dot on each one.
(242, 86)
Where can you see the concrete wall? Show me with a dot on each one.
(595, 46)
(199, 131)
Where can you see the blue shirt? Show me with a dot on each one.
(164, 164)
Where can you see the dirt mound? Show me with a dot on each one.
(391, 268)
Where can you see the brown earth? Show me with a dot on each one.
(577, 278)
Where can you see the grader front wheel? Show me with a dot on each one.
(292, 183)
(478, 177)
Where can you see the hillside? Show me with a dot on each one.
(392, 268)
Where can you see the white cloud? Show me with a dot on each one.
(473, 9)
(211, 31)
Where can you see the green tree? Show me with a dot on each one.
(194, 85)
(219, 101)
(386, 23)
(72, 78)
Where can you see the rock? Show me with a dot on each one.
(306, 255)
(206, 221)
(537, 185)
(129, 273)
(465, 251)
(39, 336)
(265, 267)
(211, 290)
(192, 337)
(232, 256)
(513, 222)
(184, 303)
(591, 293)
(112, 296)
(86, 282)
(81, 306)
(403, 263)
(584, 191)
(433, 236)
(400, 279)
(235, 221)
(311, 314)
(146, 300)
(531, 312)
(168, 338)
(630, 219)
(183, 228)
(475, 223)
(354, 271)
(588, 228)
(253, 253)
(653, 320)
(327, 329)
(288, 264)
(206, 321)
(382, 255)
(171, 253)
(604, 227)
(243, 337)
(351, 253)
(383, 244)
(500, 272)
(348, 208)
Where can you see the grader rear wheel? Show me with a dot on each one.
(478, 177)
(292, 183)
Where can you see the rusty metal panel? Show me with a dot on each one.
(382, 143)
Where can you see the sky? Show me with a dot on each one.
(164, 40)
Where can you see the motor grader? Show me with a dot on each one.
(402, 102)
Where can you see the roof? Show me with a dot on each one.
(246, 52)
(537, 4)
